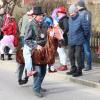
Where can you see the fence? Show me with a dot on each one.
(94, 43)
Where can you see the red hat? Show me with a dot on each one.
(62, 9)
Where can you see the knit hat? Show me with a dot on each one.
(62, 9)
(73, 9)
(81, 3)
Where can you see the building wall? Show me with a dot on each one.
(94, 1)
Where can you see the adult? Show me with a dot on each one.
(86, 45)
(35, 38)
(1, 18)
(63, 24)
(76, 34)
(9, 32)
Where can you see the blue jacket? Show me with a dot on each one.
(78, 29)
(88, 17)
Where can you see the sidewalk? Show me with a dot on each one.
(90, 78)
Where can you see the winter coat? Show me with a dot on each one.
(10, 28)
(35, 33)
(24, 21)
(78, 30)
(63, 23)
(88, 17)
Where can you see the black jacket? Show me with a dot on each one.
(63, 23)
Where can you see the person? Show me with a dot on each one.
(9, 32)
(20, 67)
(22, 24)
(63, 24)
(86, 45)
(1, 18)
(35, 38)
(77, 31)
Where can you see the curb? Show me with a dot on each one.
(81, 81)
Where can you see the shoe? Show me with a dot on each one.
(50, 71)
(87, 69)
(31, 73)
(73, 70)
(43, 90)
(2, 56)
(77, 73)
(21, 82)
(62, 68)
(39, 94)
(26, 80)
(9, 56)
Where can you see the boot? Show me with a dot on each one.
(78, 72)
(22, 82)
(2, 56)
(9, 56)
(26, 79)
(62, 68)
(73, 70)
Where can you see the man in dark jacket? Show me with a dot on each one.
(86, 45)
(35, 38)
(78, 29)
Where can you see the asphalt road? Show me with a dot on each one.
(58, 87)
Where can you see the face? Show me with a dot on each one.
(58, 14)
(39, 18)
(72, 14)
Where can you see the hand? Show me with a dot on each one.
(39, 47)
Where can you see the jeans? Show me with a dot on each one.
(87, 53)
(39, 76)
(75, 55)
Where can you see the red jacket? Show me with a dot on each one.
(10, 28)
